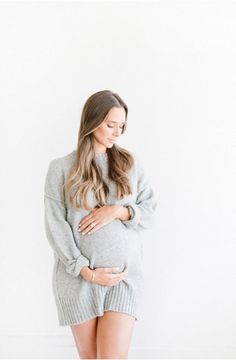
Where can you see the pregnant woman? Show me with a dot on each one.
(97, 199)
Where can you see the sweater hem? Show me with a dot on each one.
(77, 310)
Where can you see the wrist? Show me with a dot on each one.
(86, 273)
(122, 213)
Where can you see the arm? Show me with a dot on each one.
(145, 205)
(58, 230)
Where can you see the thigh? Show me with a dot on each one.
(114, 333)
(85, 335)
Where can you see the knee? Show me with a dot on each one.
(87, 354)
(112, 355)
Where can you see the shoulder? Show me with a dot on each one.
(56, 173)
(62, 164)
(137, 169)
(58, 168)
(137, 166)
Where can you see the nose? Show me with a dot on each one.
(117, 131)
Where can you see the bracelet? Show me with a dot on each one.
(93, 276)
(131, 213)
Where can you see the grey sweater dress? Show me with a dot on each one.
(117, 244)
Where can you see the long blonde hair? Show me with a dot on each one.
(85, 175)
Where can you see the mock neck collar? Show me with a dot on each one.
(102, 154)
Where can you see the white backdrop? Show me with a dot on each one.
(173, 62)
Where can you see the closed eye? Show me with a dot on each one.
(113, 126)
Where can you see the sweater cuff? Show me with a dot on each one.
(74, 266)
(136, 216)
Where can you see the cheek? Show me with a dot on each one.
(106, 132)
(103, 133)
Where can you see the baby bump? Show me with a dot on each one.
(111, 245)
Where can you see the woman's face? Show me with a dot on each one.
(110, 130)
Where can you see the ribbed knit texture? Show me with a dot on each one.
(115, 244)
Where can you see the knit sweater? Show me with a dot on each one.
(117, 244)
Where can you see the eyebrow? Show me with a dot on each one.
(116, 122)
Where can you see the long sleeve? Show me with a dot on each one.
(145, 205)
(58, 230)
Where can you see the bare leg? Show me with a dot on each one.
(85, 338)
(114, 332)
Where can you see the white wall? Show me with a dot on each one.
(173, 62)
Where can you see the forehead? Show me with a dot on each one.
(116, 115)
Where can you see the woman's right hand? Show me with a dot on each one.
(104, 276)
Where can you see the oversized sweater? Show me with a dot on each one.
(117, 244)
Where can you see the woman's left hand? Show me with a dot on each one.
(98, 218)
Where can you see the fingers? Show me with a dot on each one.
(89, 226)
(111, 269)
(92, 228)
(85, 221)
(110, 276)
(118, 278)
(121, 275)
